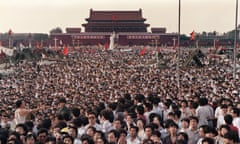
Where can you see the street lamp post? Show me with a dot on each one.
(55, 43)
(9, 41)
(156, 43)
(29, 40)
(73, 43)
(235, 43)
(178, 45)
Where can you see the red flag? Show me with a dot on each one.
(217, 44)
(99, 45)
(10, 32)
(159, 49)
(37, 45)
(65, 50)
(56, 48)
(142, 52)
(175, 47)
(114, 18)
(192, 36)
(106, 46)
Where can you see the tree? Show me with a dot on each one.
(184, 37)
(204, 33)
(56, 30)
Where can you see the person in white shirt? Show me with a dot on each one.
(204, 112)
(92, 121)
(132, 138)
(113, 136)
(218, 111)
(22, 112)
(220, 119)
(185, 110)
(105, 123)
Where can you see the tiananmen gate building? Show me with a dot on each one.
(129, 27)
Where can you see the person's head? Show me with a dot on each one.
(112, 136)
(185, 123)
(230, 137)
(129, 118)
(202, 130)
(141, 123)
(228, 119)
(156, 137)
(100, 140)
(193, 122)
(148, 141)
(98, 134)
(139, 110)
(92, 118)
(117, 124)
(14, 135)
(177, 114)
(223, 129)
(224, 108)
(173, 128)
(30, 139)
(156, 119)
(182, 136)
(91, 131)
(211, 132)
(73, 131)
(62, 102)
(42, 135)
(235, 112)
(20, 104)
(148, 130)
(104, 115)
(171, 115)
(50, 140)
(21, 129)
(208, 140)
(76, 112)
(67, 139)
(86, 139)
(122, 134)
(46, 123)
(133, 131)
(148, 106)
(184, 103)
(203, 101)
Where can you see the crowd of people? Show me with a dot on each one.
(120, 97)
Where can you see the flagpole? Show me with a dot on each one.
(178, 46)
(156, 44)
(235, 43)
(55, 43)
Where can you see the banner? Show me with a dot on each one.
(7, 51)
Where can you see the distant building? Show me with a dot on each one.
(130, 28)
(118, 21)
(73, 30)
(158, 30)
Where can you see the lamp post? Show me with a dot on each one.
(55, 43)
(9, 38)
(235, 43)
(178, 45)
(73, 43)
(29, 40)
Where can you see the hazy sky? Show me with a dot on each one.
(43, 15)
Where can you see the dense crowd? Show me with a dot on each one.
(120, 97)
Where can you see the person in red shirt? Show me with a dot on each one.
(229, 119)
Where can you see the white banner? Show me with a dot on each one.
(7, 51)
